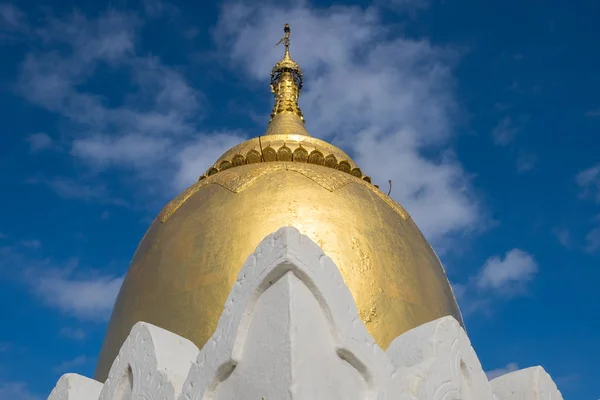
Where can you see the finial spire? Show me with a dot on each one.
(286, 40)
(286, 83)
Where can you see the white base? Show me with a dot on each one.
(290, 330)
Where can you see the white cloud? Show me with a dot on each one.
(564, 237)
(502, 106)
(511, 367)
(68, 287)
(508, 274)
(72, 333)
(592, 240)
(386, 98)
(87, 298)
(70, 365)
(589, 181)
(410, 3)
(515, 87)
(39, 141)
(569, 380)
(593, 113)
(33, 243)
(137, 150)
(16, 391)
(499, 279)
(505, 131)
(404, 7)
(198, 156)
(154, 122)
(459, 290)
(157, 8)
(68, 188)
(526, 162)
(11, 18)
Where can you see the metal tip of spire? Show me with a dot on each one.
(286, 40)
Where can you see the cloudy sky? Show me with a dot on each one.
(485, 115)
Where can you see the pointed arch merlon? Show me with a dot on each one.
(75, 387)
(152, 363)
(528, 383)
(292, 264)
(437, 362)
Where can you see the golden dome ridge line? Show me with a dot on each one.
(236, 183)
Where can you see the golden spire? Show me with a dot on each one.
(286, 83)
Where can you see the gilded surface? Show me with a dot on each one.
(236, 180)
(286, 123)
(286, 84)
(185, 267)
(297, 148)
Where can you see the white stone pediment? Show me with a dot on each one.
(526, 384)
(75, 387)
(290, 330)
(436, 361)
(152, 364)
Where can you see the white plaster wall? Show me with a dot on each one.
(527, 384)
(436, 361)
(152, 364)
(288, 339)
(75, 387)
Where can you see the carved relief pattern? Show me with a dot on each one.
(331, 161)
(269, 154)
(238, 160)
(237, 183)
(316, 157)
(285, 153)
(152, 364)
(300, 154)
(252, 157)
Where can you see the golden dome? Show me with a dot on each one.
(188, 261)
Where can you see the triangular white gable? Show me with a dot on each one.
(526, 384)
(290, 330)
(152, 364)
(75, 387)
(436, 361)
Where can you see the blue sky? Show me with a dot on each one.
(484, 114)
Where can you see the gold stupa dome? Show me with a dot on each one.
(189, 259)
